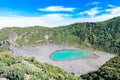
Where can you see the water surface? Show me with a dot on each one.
(70, 54)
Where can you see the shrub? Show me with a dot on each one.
(26, 68)
(60, 77)
(14, 73)
(12, 60)
(34, 78)
(31, 59)
(2, 67)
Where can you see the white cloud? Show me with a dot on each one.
(92, 3)
(92, 12)
(49, 20)
(102, 17)
(56, 9)
(115, 10)
(110, 5)
(95, 2)
(52, 20)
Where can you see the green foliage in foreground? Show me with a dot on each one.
(109, 71)
(22, 68)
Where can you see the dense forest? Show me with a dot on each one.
(109, 71)
(100, 35)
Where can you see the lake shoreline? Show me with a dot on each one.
(78, 66)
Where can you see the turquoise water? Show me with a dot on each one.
(70, 54)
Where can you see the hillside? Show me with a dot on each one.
(109, 71)
(100, 35)
(27, 68)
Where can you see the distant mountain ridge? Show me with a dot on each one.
(97, 35)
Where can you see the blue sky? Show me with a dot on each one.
(56, 12)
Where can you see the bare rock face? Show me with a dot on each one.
(26, 39)
(46, 37)
(4, 43)
(13, 38)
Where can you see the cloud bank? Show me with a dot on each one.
(59, 19)
(56, 9)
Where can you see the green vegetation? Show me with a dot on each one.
(100, 35)
(103, 36)
(4, 33)
(3, 49)
(23, 68)
(109, 71)
(32, 33)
